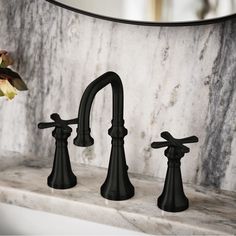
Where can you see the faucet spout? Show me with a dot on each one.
(84, 138)
(117, 185)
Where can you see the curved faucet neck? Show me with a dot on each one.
(83, 138)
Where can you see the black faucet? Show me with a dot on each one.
(117, 185)
(173, 198)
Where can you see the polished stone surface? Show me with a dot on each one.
(176, 79)
(210, 212)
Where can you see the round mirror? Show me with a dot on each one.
(155, 12)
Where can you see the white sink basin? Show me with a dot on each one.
(19, 220)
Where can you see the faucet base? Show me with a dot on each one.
(62, 185)
(117, 196)
(166, 206)
(173, 198)
(117, 185)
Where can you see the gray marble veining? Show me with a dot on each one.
(176, 79)
(219, 144)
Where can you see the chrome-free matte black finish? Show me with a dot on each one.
(117, 185)
(173, 198)
(61, 176)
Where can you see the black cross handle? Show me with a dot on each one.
(58, 122)
(173, 142)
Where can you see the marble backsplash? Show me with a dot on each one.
(179, 79)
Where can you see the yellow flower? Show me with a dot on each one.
(6, 89)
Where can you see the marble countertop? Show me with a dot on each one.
(210, 212)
